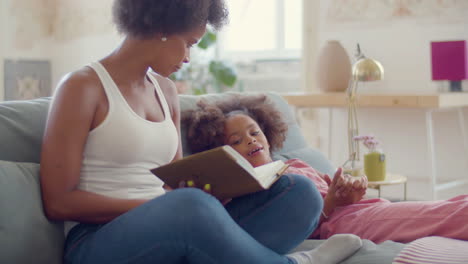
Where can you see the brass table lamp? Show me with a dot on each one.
(363, 70)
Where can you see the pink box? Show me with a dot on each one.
(449, 60)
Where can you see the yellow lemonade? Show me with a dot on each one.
(375, 166)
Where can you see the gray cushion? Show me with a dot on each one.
(21, 128)
(26, 236)
(312, 157)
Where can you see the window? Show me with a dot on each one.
(262, 29)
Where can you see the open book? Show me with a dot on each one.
(229, 174)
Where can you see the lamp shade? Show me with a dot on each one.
(449, 60)
(367, 69)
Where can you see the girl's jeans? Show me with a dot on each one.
(189, 226)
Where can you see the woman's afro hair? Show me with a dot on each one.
(145, 18)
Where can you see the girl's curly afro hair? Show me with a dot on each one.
(205, 125)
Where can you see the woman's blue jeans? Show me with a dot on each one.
(189, 226)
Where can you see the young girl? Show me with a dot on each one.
(253, 127)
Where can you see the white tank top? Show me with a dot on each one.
(120, 151)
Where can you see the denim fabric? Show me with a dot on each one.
(190, 226)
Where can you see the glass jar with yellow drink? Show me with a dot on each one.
(375, 163)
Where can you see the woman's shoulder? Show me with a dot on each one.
(81, 80)
(79, 87)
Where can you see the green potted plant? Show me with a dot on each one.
(204, 74)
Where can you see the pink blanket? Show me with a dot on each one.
(434, 250)
(379, 220)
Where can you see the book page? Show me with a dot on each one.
(268, 172)
(240, 160)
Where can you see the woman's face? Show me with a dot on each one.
(175, 50)
(245, 136)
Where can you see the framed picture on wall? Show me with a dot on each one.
(27, 79)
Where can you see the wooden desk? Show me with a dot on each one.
(435, 101)
(429, 102)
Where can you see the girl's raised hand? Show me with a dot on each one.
(347, 189)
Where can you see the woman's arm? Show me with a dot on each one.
(69, 121)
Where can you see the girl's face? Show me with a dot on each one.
(175, 50)
(245, 136)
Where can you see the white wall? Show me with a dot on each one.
(68, 33)
(74, 54)
(400, 42)
(25, 32)
(402, 45)
(29, 28)
(84, 33)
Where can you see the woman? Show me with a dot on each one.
(249, 123)
(100, 144)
